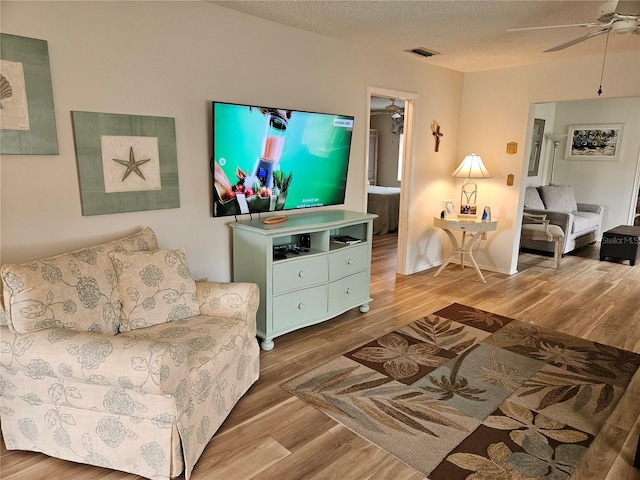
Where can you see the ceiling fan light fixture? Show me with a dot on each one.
(624, 26)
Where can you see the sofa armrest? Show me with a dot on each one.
(588, 207)
(238, 300)
(137, 360)
(563, 219)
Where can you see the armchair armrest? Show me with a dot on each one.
(238, 300)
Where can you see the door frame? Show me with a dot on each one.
(408, 157)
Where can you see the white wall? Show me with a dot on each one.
(610, 184)
(498, 108)
(172, 59)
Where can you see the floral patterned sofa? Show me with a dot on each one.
(113, 356)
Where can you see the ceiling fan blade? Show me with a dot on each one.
(592, 24)
(578, 40)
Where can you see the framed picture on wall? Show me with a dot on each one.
(126, 163)
(594, 142)
(536, 146)
(27, 116)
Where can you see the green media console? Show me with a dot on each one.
(305, 275)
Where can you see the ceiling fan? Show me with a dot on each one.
(615, 16)
(392, 109)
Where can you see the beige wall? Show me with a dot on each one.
(498, 108)
(172, 59)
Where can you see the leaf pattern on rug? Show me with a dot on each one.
(541, 460)
(493, 467)
(520, 422)
(399, 359)
(510, 400)
(482, 317)
(570, 353)
(560, 387)
(500, 374)
(443, 333)
(372, 402)
(448, 387)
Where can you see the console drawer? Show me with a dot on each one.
(299, 307)
(301, 273)
(349, 292)
(348, 260)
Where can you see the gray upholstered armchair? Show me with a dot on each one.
(581, 222)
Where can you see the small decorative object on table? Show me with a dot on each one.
(449, 208)
(486, 214)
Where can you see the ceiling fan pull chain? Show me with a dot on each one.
(603, 61)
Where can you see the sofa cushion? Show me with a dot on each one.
(75, 290)
(532, 199)
(585, 222)
(558, 198)
(155, 287)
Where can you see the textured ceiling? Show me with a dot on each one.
(469, 35)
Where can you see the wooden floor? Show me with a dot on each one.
(272, 435)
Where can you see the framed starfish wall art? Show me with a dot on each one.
(126, 163)
(27, 116)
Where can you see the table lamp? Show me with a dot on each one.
(470, 168)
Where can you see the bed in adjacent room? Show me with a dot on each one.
(384, 202)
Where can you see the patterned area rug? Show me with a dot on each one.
(464, 393)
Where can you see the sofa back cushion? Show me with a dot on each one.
(558, 198)
(155, 287)
(75, 290)
(532, 199)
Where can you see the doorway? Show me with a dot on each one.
(406, 162)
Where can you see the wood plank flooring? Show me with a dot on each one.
(273, 435)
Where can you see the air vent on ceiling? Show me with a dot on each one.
(423, 52)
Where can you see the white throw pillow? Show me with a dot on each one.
(154, 287)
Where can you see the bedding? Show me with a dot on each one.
(384, 202)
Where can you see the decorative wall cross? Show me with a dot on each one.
(435, 128)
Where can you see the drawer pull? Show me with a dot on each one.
(348, 291)
(350, 261)
(301, 306)
(302, 273)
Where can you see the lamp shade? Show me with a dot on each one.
(556, 137)
(471, 167)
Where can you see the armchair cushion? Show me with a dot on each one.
(75, 290)
(155, 287)
(558, 198)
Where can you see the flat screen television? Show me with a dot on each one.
(269, 159)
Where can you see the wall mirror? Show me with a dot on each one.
(536, 146)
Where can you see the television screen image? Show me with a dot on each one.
(269, 159)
